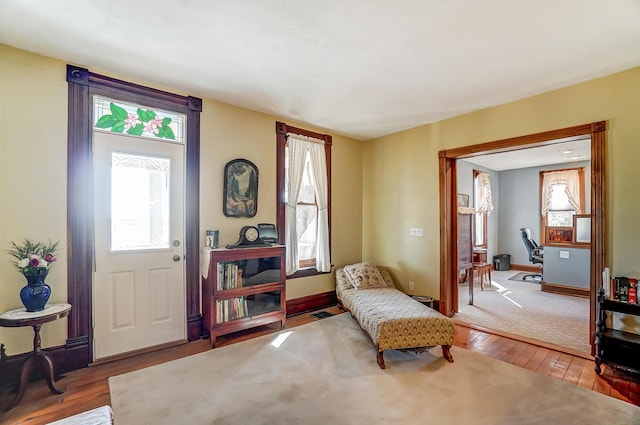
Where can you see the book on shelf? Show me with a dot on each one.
(231, 309)
(624, 289)
(633, 290)
(633, 295)
(229, 276)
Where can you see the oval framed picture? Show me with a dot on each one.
(240, 189)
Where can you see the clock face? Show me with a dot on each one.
(251, 234)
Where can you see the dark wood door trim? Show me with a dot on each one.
(448, 210)
(83, 84)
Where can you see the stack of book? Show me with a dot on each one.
(625, 289)
(231, 309)
(229, 276)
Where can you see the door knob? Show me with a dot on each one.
(176, 258)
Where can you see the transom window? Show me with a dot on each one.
(137, 120)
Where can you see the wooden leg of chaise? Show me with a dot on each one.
(446, 353)
(380, 360)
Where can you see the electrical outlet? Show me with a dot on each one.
(564, 254)
(416, 231)
(412, 286)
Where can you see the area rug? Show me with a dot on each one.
(519, 277)
(325, 372)
(520, 307)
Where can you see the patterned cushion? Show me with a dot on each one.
(364, 275)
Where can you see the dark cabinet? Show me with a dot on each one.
(618, 348)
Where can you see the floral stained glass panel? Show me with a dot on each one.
(137, 120)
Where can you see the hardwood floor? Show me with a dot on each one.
(88, 388)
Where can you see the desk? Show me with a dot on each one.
(38, 358)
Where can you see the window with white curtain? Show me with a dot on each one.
(483, 204)
(304, 199)
(561, 196)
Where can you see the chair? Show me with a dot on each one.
(536, 255)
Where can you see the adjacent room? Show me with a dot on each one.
(308, 212)
(514, 183)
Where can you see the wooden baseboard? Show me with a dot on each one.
(565, 290)
(311, 302)
(527, 268)
(195, 328)
(138, 352)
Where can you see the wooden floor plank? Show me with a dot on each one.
(536, 360)
(588, 376)
(88, 388)
(574, 370)
(515, 351)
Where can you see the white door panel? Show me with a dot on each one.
(122, 300)
(139, 284)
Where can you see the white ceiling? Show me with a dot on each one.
(362, 68)
(568, 150)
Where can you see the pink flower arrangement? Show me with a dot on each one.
(33, 258)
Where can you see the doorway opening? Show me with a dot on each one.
(448, 206)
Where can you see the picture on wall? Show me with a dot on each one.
(240, 189)
(463, 200)
(559, 235)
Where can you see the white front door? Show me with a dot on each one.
(139, 278)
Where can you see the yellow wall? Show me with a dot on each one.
(33, 119)
(401, 173)
(380, 188)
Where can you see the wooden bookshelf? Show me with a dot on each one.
(244, 288)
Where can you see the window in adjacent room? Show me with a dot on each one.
(483, 204)
(562, 196)
(304, 201)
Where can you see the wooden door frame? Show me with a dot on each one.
(82, 84)
(448, 206)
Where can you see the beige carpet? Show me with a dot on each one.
(521, 308)
(325, 373)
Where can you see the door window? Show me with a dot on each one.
(139, 202)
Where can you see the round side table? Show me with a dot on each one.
(38, 358)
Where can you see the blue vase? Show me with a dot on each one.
(35, 295)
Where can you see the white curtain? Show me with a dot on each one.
(295, 167)
(484, 200)
(320, 181)
(571, 180)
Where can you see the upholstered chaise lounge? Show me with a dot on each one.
(392, 319)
